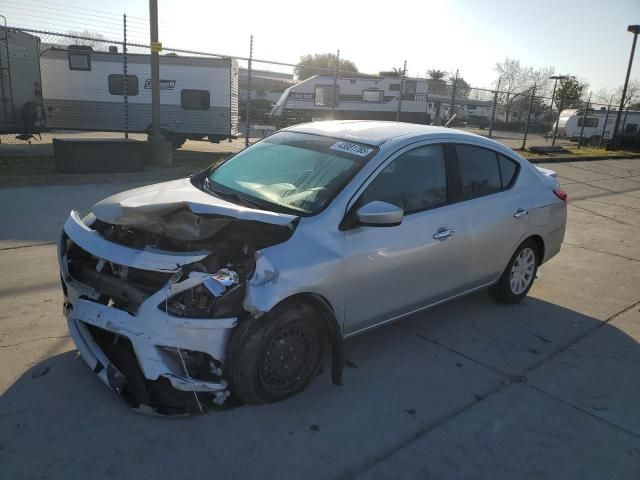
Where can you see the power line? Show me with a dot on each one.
(58, 17)
(74, 8)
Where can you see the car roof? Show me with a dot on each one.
(376, 132)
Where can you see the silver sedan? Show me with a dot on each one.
(238, 281)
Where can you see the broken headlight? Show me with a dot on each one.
(218, 295)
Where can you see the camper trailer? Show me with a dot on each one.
(21, 109)
(571, 121)
(86, 90)
(357, 97)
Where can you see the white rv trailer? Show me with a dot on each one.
(358, 97)
(20, 84)
(85, 89)
(571, 120)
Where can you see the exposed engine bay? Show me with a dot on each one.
(152, 295)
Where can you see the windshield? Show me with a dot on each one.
(294, 171)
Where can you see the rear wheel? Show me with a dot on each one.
(518, 277)
(274, 357)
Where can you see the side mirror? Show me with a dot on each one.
(379, 214)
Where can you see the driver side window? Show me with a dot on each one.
(414, 181)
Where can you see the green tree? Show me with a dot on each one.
(437, 81)
(569, 92)
(394, 72)
(322, 64)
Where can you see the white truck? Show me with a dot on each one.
(598, 124)
(86, 89)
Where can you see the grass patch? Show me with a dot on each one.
(583, 152)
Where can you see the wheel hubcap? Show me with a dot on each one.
(287, 358)
(522, 271)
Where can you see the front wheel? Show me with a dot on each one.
(274, 357)
(518, 277)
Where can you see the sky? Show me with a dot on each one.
(585, 38)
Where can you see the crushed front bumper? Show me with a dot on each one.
(141, 356)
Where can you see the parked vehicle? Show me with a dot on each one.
(571, 120)
(85, 89)
(236, 281)
(357, 97)
(21, 109)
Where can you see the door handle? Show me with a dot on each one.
(520, 213)
(443, 234)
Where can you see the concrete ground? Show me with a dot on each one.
(472, 389)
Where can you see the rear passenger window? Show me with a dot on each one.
(479, 171)
(195, 99)
(414, 181)
(508, 169)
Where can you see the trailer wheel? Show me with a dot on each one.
(33, 116)
(594, 140)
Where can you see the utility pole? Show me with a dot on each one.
(161, 149)
(493, 109)
(635, 29)
(453, 96)
(125, 82)
(403, 82)
(336, 94)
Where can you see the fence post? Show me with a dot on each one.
(555, 129)
(248, 105)
(526, 125)
(604, 126)
(493, 109)
(453, 96)
(624, 122)
(336, 96)
(401, 92)
(584, 118)
(126, 77)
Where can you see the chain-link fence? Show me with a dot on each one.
(215, 104)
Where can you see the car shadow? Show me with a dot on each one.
(398, 379)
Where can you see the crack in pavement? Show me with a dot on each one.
(601, 251)
(17, 247)
(621, 222)
(34, 340)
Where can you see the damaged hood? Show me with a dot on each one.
(148, 204)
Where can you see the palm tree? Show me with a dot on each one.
(435, 74)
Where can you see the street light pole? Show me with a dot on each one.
(635, 29)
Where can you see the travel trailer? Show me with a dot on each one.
(21, 109)
(571, 120)
(358, 97)
(86, 89)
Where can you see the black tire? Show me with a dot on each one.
(502, 290)
(272, 358)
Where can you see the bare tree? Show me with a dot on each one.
(613, 96)
(90, 38)
(517, 80)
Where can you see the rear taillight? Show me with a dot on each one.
(561, 194)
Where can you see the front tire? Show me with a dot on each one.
(518, 277)
(274, 357)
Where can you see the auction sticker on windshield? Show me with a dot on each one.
(353, 148)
